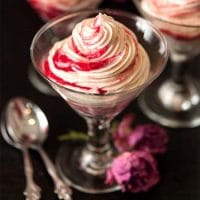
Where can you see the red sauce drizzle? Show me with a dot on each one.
(59, 80)
(51, 75)
(93, 55)
(63, 62)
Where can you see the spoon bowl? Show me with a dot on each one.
(25, 123)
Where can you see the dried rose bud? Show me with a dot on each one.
(134, 171)
(149, 137)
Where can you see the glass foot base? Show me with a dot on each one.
(152, 107)
(69, 167)
(39, 83)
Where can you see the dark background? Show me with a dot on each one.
(179, 167)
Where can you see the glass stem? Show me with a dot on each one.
(98, 131)
(99, 150)
(179, 71)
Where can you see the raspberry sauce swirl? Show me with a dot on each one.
(101, 56)
(180, 12)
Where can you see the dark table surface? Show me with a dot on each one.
(179, 167)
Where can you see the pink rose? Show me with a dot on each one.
(148, 137)
(134, 172)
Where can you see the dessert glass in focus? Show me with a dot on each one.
(176, 102)
(98, 66)
(46, 10)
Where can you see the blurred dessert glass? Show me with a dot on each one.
(176, 100)
(48, 9)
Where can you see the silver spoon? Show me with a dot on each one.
(32, 124)
(10, 123)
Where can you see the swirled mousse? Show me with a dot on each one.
(48, 9)
(183, 16)
(101, 56)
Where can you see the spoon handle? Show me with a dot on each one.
(32, 190)
(62, 190)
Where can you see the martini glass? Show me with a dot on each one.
(176, 99)
(47, 10)
(84, 164)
